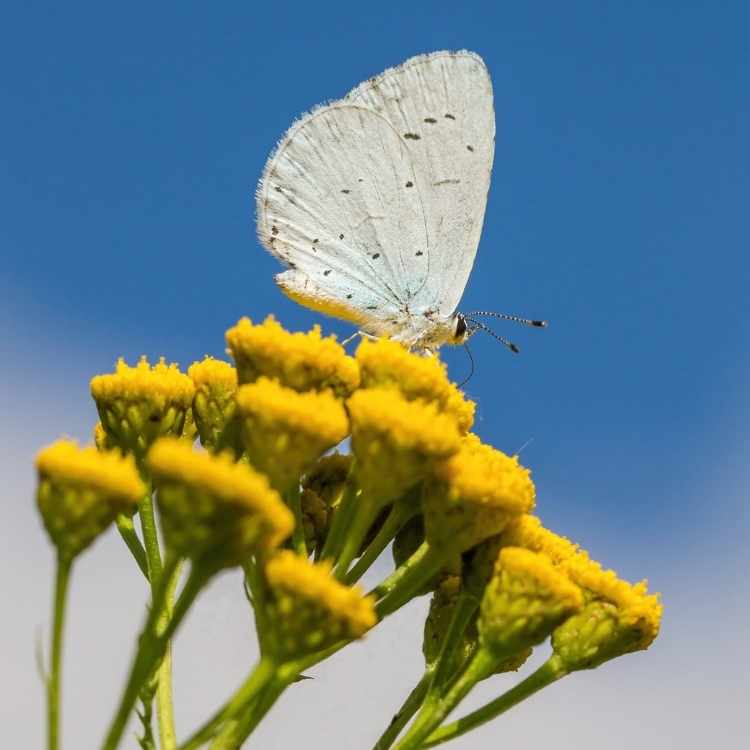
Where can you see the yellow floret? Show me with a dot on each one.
(312, 609)
(302, 361)
(527, 531)
(524, 601)
(213, 373)
(82, 490)
(637, 609)
(285, 431)
(385, 363)
(138, 404)
(211, 505)
(397, 441)
(213, 404)
(473, 495)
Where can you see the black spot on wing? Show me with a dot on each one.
(418, 253)
(375, 256)
(410, 184)
(274, 230)
(346, 192)
(326, 272)
(349, 296)
(449, 117)
(431, 120)
(412, 136)
(470, 148)
(341, 236)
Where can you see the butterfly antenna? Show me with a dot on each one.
(513, 318)
(477, 325)
(471, 372)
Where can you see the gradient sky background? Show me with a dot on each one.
(132, 140)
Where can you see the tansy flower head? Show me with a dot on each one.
(138, 404)
(396, 441)
(284, 431)
(527, 531)
(473, 494)
(101, 439)
(81, 491)
(524, 601)
(302, 361)
(213, 404)
(619, 618)
(311, 610)
(213, 509)
(385, 363)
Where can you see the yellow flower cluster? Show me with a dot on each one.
(397, 441)
(285, 431)
(213, 404)
(474, 494)
(139, 404)
(314, 610)
(212, 508)
(81, 491)
(524, 601)
(387, 364)
(302, 361)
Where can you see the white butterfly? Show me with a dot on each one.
(375, 202)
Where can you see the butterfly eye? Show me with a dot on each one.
(461, 328)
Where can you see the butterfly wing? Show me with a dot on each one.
(334, 206)
(442, 106)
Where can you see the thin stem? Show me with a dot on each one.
(409, 707)
(548, 673)
(257, 585)
(341, 520)
(435, 709)
(407, 579)
(164, 705)
(261, 675)
(164, 708)
(152, 645)
(464, 608)
(53, 681)
(293, 500)
(126, 527)
(363, 517)
(400, 513)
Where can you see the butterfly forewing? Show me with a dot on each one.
(442, 106)
(334, 206)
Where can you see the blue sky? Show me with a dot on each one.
(133, 137)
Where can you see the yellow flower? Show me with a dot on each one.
(396, 441)
(311, 610)
(138, 404)
(619, 618)
(213, 509)
(284, 431)
(527, 531)
(81, 491)
(385, 363)
(213, 404)
(473, 494)
(302, 361)
(524, 601)
(101, 439)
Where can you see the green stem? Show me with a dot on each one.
(53, 681)
(363, 517)
(463, 610)
(126, 527)
(152, 644)
(292, 497)
(435, 709)
(164, 708)
(400, 513)
(261, 675)
(409, 707)
(548, 673)
(164, 705)
(341, 519)
(257, 585)
(407, 579)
